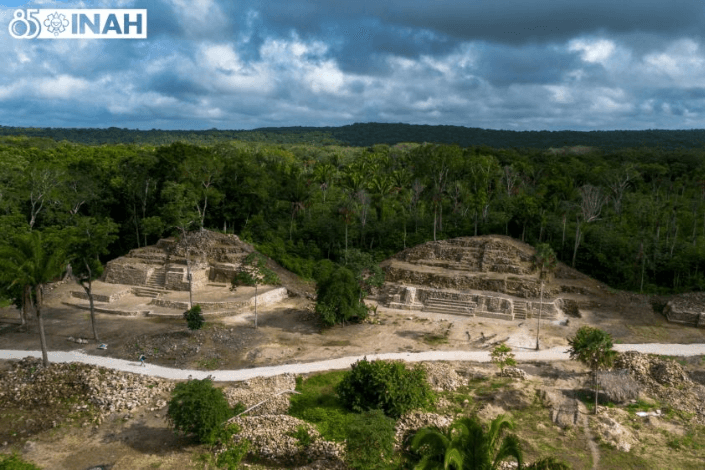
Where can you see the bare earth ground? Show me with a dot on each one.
(288, 332)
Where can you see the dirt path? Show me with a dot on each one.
(553, 354)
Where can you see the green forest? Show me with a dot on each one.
(368, 134)
(632, 217)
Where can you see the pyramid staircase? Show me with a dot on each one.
(454, 307)
(520, 311)
(154, 285)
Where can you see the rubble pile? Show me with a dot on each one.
(29, 384)
(666, 380)
(443, 377)
(613, 433)
(411, 422)
(652, 370)
(263, 389)
(270, 439)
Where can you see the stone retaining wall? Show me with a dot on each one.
(100, 297)
(134, 274)
(515, 286)
(266, 298)
(486, 305)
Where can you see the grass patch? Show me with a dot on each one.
(319, 405)
(650, 333)
(434, 339)
(208, 364)
(642, 405)
(5, 303)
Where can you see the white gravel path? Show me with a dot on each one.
(553, 354)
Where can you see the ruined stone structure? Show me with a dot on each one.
(213, 257)
(489, 276)
(160, 273)
(688, 309)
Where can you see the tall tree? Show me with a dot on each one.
(591, 202)
(545, 261)
(29, 261)
(592, 347)
(90, 240)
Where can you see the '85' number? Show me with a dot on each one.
(25, 25)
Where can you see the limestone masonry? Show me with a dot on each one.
(487, 276)
(213, 256)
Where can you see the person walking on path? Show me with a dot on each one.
(141, 359)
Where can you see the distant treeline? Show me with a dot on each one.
(367, 134)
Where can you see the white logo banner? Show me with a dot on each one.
(79, 24)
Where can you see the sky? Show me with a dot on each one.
(494, 64)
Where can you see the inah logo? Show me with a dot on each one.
(79, 24)
(56, 23)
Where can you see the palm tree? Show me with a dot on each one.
(27, 261)
(545, 261)
(592, 347)
(466, 446)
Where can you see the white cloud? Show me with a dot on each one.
(598, 51)
(682, 62)
(325, 78)
(61, 87)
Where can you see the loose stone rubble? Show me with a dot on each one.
(270, 440)
(443, 377)
(29, 384)
(263, 389)
(665, 380)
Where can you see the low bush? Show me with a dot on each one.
(388, 386)
(199, 409)
(194, 319)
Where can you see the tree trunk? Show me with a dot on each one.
(190, 278)
(563, 240)
(89, 291)
(434, 224)
(26, 303)
(538, 328)
(597, 390)
(40, 320)
(577, 242)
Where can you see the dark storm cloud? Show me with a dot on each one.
(501, 65)
(506, 21)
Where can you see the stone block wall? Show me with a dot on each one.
(101, 297)
(176, 279)
(134, 274)
(687, 317)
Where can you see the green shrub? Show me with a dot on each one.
(339, 298)
(502, 356)
(385, 385)
(194, 319)
(370, 442)
(198, 409)
(15, 462)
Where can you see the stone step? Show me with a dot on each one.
(450, 310)
(499, 316)
(450, 302)
(147, 292)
